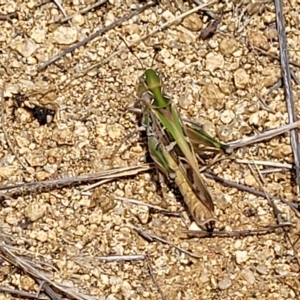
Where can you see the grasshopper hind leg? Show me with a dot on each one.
(210, 227)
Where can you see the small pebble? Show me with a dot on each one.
(248, 275)
(214, 62)
(42, 236)
(241, 256)
(78, 19)
(35, 210)
(64, 36)
(225, 283)
(237, 244)
(241, 78)
(228, 46)
(262, 270)
(227, 116)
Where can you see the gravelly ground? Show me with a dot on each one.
(224, 82)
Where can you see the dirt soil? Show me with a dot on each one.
(84, 238)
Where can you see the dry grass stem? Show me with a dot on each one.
(153, 277)
(263, 136)
(151, 238)
(265, 163)
(285, 67)
(239, 233)
(144, 37)
(113, 258)
(22, 294)
(58, 4)
(27, 268)
(244, 188)
(154, 207)
(84, 11)
(111, 174)
(94, 35)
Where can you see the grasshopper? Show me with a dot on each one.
(161, 151)
(171, 150)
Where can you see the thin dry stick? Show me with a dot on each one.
(40, 289)
(111, 258)
(150, 269)
(295, 77)
(276, 211)
(278, 84)
(274, 170)
(7, 139)
(264, 136)
(265, 163)
(144, 37)
(274, 56)
(47, 289)
(57, 2)
(9, 16)
(27, 268)
(108, 174)
(92, 186)
(287, 236)
(22, 293)
(151, 237)
(244, 188)
(155, 207)
(255, 138)
(261, 180)
(84, 11)
(209, 13)
(237, 233)
(283, 48)
(293, 287)
(94, 35)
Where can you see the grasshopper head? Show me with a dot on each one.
(152, 79)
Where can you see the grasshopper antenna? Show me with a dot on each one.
(131, 51)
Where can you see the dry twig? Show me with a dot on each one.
(237, 233)
(273, 170)
(276, 211)
(151, 238)
(8, 17)
(265, 163)
(263, 136)
(109, 175)
(153, 207)
(283, 47)
(28, 268)
(112, 258)
(244, 188)
(94, 35)
(84, 11)
(144, 37)
(22, 294)
(58, 4)
(293, 63)
(150, 269)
